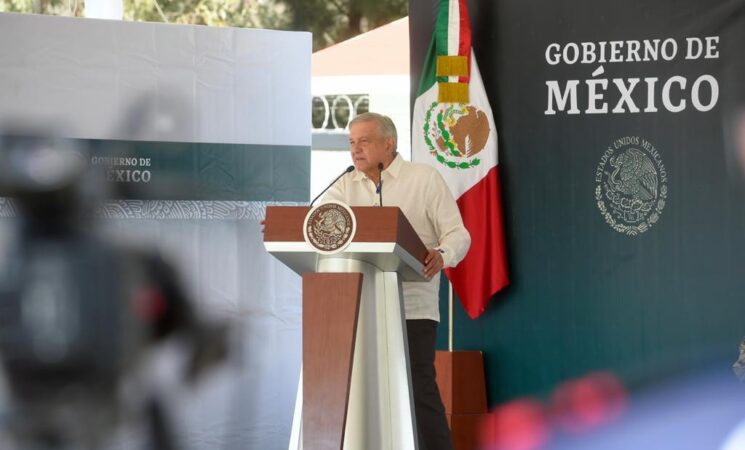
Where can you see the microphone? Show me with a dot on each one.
(380, 182)
(346, 171)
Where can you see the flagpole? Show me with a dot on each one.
(450, 316)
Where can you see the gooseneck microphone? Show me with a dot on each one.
(380, 182)
(346, 171)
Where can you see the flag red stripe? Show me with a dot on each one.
(483, 271)
(464, 41)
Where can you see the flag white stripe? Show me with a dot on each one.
(459, 180)
(453, 31)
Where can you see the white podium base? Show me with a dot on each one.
(380, 415)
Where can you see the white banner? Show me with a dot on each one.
(112, 80)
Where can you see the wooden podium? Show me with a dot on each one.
(355, 388)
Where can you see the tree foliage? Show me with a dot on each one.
(330, 21)
(333, 21)
(227, 13)
(51, 7)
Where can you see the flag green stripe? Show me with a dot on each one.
(441, 32)
(428, 71)
(438, 46)
(441, 28)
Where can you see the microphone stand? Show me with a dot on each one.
(380, 182)
(346, 171)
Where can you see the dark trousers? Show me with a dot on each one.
(432, 426)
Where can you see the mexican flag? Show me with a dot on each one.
(453, 130)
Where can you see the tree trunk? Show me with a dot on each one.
(354, 23)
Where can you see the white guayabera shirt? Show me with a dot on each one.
(424, 198)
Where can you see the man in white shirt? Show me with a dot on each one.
(426, 201)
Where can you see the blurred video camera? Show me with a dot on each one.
(77, 310)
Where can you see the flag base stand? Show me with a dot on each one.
(460, 378)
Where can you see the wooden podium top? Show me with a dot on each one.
(375, 225)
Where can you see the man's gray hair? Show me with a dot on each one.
(385, 124)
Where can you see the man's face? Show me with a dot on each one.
(368, 147)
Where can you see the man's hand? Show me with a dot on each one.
(433, 263)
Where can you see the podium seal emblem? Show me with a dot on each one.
(330, 227)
